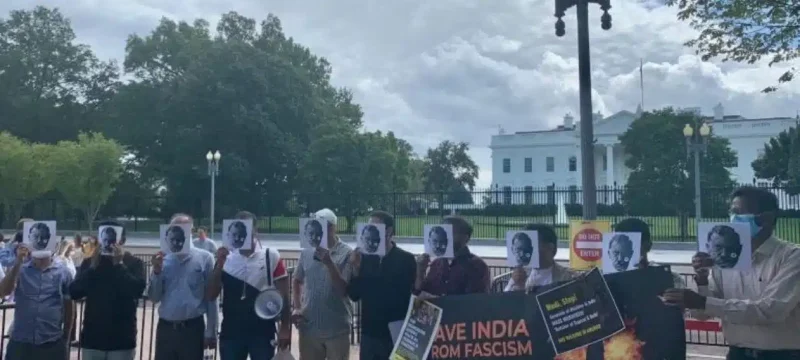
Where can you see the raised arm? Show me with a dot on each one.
(155, 289)
(212, 306)
(79, 288)
(131, 278)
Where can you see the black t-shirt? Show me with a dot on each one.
(239, 317)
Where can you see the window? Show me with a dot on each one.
(573, 163)
(573, 194)
(507, 195)
(605, 162)
(506, 165)
(528, 195)
(528, 165)
(550, 164)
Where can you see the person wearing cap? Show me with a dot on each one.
(322, 308)
(44, 311)
(178, 283)
(243, 275)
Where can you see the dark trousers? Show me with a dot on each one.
(737, 353)
(258, 347)
(375, 348)
(180, 340)
(56, 350)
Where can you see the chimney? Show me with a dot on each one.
(719, 112)
(569, 121)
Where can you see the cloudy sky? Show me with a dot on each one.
(459, 69)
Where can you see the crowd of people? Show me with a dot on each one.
(759, 310)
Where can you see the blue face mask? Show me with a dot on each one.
(749, 219)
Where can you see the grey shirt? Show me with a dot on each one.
(207, 245)
(328, 314)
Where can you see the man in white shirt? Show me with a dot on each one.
(758, 308)
(548, 271)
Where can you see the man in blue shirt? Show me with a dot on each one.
(178, 283)
(44, 310)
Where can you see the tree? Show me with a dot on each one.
(449, 169)
(87, 171)
(353, 172)
(51, 88)
(661, 179)
(249, 91)
(780, 162)
(745, 30)
(25, 173)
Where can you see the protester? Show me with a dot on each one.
(549, 271)
(320, 289)
(112, 286)
(178, 283)
(384, 286)
(62, 255)
(634, 225)
(77, 254)
(8, 254)
(43, 309)
(205, 243)
(758, 308)
(242, 275)
(466, 273)
(3, 241)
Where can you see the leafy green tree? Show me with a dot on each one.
(353, 172)
(661, 181)
(51, 87)
(248, 91)
(780, 162)
(449, 169)
(87, 171)
(745, 30)
(26, 173)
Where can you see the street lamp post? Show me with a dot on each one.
(213, 171)
(696, 145)
(585, 83)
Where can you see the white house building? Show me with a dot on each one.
(534, 160)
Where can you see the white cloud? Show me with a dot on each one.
(458, 69)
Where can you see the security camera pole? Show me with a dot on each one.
(585, 82)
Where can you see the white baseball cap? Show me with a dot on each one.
(327, 215)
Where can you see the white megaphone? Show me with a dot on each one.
(269, 303)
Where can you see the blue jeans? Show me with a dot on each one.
(91, 354)
(259, 348)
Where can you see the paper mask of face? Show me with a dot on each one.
(748, 219)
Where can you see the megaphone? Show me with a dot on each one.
(269, 303)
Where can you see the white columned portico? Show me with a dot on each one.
(610, 165)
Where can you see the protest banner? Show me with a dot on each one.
(580, 312)
(586, 243)
(510, 325)
(419, 329)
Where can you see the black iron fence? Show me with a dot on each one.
(697, 332)
(492, 212)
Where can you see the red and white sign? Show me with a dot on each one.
(588, 244)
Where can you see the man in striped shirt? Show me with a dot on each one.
(323, 311)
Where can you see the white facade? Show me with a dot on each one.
(538, 159)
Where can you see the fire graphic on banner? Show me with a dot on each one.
(577, 354)
(624, 345)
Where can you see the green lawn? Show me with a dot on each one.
(664, 228)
